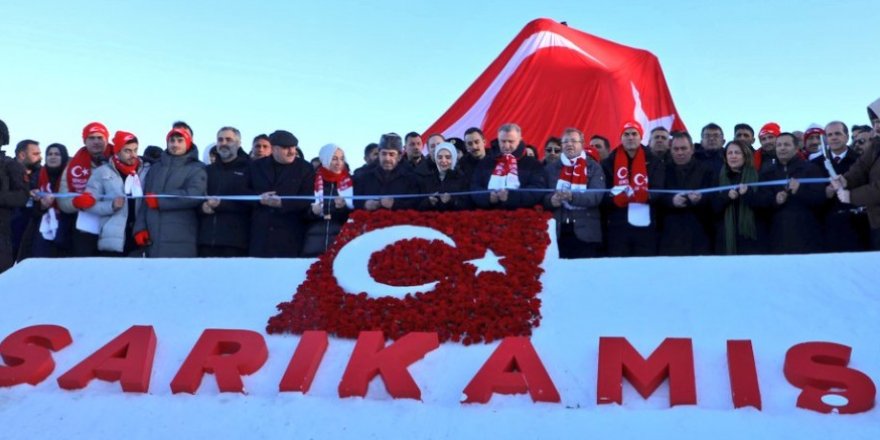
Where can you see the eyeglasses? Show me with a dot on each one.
(553, 150)
(860, 142)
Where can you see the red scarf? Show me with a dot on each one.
(343, 184)
(639, 183)
(573, 175)
(48, 186)
(45, 184)
(506, 174)
(78, 171)
(126, 170)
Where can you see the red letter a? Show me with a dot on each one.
(513, 368)
(128, 358)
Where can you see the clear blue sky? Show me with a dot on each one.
(348, 71)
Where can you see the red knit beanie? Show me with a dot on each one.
(95, 127)
(182, 133)
(632, 124)
(120, 139)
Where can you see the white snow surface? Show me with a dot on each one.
(776, 301)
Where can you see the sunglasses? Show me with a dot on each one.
(860, 142)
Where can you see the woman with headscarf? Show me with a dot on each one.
(333, 191)
(49, 231)
(443, 180)
(738, 229)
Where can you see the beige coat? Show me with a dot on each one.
(863, 181)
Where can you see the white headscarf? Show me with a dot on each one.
(452, 151)
(326, 154)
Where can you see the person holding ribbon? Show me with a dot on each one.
(168, 226)
(334, 189)
(507, 173)
(445, 178)
(738, 231)
(576, 210)
(629, 173)
(13, 195)
(94, 153)
(111, 195)
(48, 234)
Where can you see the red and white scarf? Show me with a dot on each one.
(505, 174)
(78, 171)
(132, 184)
(635, 190)
(573, 176)
(49, 221)
(344, 185)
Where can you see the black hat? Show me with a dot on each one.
(4, 134)
(391, 141)
(152, 154)
(281, 138)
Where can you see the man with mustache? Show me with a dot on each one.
(224, 225)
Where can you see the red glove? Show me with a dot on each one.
(142, 238)
(84, 201)
(151, 201)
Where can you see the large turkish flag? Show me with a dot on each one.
(551, 77)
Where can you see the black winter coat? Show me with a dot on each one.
(720, 202)
(278, 232)
(229, 225)
(794, 225)
(687, 230)
(617, 216)
(467, 164)
(842, 226)
(455, 181)
(321, 232)
(711, 158)
(378, 182)
(13, 194)
(531, 176)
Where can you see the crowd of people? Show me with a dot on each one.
(656, 193)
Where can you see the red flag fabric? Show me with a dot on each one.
(551, 77)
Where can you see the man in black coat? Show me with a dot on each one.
(390, 177)
(842, 221)
(371, 158)
(711, 148)
(626, 239)
(13, 194)
(495, 173)
(475, 143)
(277, 227)
(793, 207)
(224, 225)
(687, 216)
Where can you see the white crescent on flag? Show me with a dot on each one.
(351, 264)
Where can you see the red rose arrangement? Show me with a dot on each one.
(464, 306)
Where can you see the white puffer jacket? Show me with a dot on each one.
(106, 184)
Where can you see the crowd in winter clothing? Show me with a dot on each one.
(824, 196)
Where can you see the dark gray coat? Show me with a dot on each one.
(174, 226)
(587, 221)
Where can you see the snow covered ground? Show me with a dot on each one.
(774, 301)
